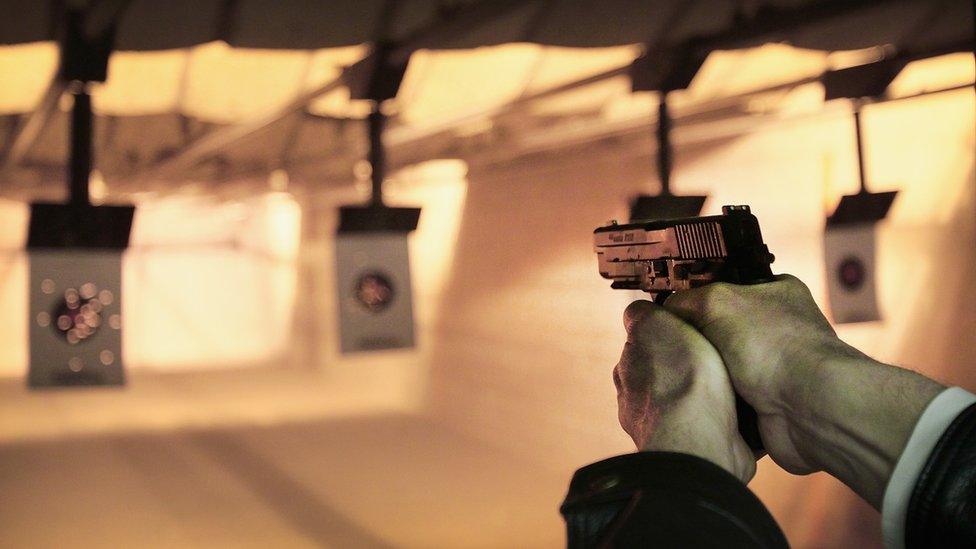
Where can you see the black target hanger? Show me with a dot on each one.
(376, 78)
(84, 53)
(861, 84)
(665, 72)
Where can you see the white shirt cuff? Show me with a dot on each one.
(933, 422)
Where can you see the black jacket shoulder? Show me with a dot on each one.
(664, 499)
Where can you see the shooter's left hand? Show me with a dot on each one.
(674, 394)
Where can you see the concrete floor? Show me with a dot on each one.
(379, 479)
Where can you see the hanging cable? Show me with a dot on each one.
(664, 71)
(83, 60)
(376, 79)
(861, 85)
(664, 150)
(377, 154)
(80, 163)
(859, 131)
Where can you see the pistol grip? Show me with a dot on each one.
(749, 425)
(747, 417)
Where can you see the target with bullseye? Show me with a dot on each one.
(78, 316)
(76, 319)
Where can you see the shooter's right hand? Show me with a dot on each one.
(822, 404)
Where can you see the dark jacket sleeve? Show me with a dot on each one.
(942, 509)
(664, 499)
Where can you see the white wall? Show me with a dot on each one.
(529, 332)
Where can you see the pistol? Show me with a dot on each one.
(661, 257)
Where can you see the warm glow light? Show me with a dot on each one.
(97, 188)
(558, 65)
(732, 72)
(849, 58)
(141, 83)
(446, 85)
(590, 98)
(229, 271)
(326, 64)
(274, 227)
(27, 70)
(339, 103)
(13, 287)
(740, 71)
(933, 74)
(232, 84)
(278, 180)
(629, 106)
(13, 225)
(805, 99)
(211, 81)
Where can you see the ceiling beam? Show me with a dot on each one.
(711, 114)
(764, 23)
(460, 22)
(400, 135)
(770, 22)
(696, 125)
(217, 140)
(767, 23)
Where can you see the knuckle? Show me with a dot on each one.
(712, 303)
(793, 284)
(637, 314)
(716, 296)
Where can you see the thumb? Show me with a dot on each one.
(644, 319)
(701, 307)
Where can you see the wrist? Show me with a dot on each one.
(813, 373)
(853, 417)
(709, 433)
